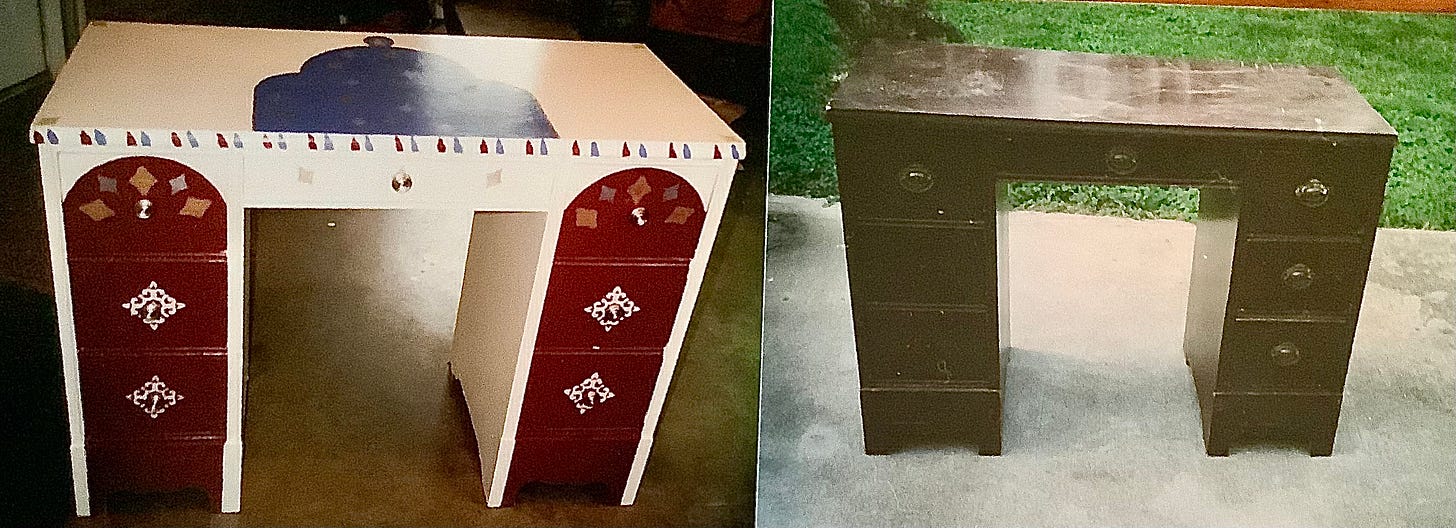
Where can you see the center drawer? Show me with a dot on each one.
(355, 181)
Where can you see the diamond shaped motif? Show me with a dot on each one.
(588, 393)
(154, 397)
(153, 305)
(612, 309)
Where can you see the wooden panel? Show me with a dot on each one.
(150, 304)
(1309, 419)
(897, 167)
(920, 263)
(588, 391)
(154, 466)
(1285, 356)
(153, 397)
(637, 306)
(1282, 276)
(573, 459)
(898, 418)
(934, 346)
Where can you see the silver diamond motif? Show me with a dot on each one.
(154, 397)
(588, 393)
(612, 309)
(153, 305)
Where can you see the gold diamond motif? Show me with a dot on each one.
(679, 215)
(142, 180)
(195, 207)
(97, 210)
(639, 189)
(586, 218)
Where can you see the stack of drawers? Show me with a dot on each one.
(1305, 229)
(146, 242)
(618, 277)
(920, 241)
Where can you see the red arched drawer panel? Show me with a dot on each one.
(635, 213)
(574, 391)
(144, 205)
(138, 304)
(148, 397)
(600, 305)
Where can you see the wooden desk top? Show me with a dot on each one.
(974, 81)
(140, 76)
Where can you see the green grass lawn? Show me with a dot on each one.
(1402, 63)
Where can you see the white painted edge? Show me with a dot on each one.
(231, 188)
(495, 484)
(54, 194)
(717, 200)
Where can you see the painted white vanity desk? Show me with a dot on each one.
(573, 308)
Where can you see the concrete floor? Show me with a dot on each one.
(1101, 421)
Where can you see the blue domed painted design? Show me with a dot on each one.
(382, 89)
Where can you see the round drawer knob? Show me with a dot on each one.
(144, 209)
(1285, 354)
(402, 182)
(916, 181)
(1121, 161)
(1312, 193)
(640, 216)
(1298, 277)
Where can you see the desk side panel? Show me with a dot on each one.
(1213, 254)
(500, 270)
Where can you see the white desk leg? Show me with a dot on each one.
(66, 325)
(232, 448)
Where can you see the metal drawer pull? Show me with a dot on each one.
(1121, 161)
(144, 209)
(640, 214)
(916, 181)
(1312, 193)
(1298, 277)
(402, 182)
(1285, 354)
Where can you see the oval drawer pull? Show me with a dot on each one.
(1312, 193)
(640, 216)
(1298, 277)
(402, 182)
(144, 209)
(1121, 161)
(1285, 354)
(916, 181)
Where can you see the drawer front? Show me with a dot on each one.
(589, 391)
(894, 167)
(596, 305)
(135, 304)
(573, 459)
(132, 397)
(342, 180)
(1279, 356)
(1113, 158)
(927, 345)
(640, 213)
(1316, 191)
(154, 466)
(1276, 415)
(1290, 277)
(921, 264)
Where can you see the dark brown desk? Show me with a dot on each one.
(1291, 162)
